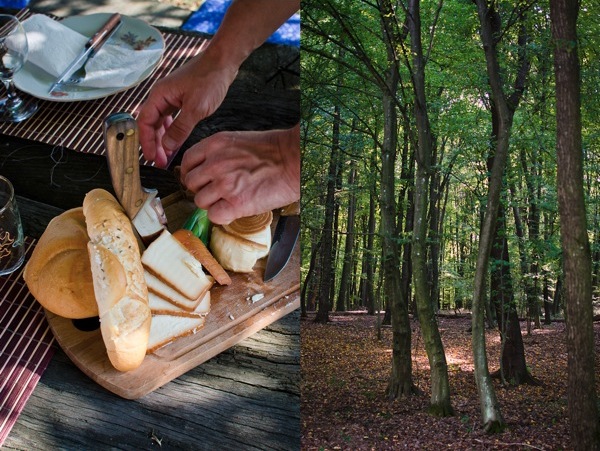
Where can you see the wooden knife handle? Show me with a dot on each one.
(123, 153)
(104, 31)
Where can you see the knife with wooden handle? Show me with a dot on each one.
(142, 205)
(284, 240)
(89, 50)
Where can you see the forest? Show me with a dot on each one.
(450, 155)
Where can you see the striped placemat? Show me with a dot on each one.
(78, 125)
(25, 345)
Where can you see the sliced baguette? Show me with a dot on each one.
(168, 328)
(118, 279)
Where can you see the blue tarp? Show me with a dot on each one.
(14, 4)
(209, 16)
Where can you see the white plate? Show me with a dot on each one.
(33, 80)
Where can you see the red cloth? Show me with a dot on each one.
(26, 345)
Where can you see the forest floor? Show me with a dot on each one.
(345, 370)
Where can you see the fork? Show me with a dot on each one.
(79, 74)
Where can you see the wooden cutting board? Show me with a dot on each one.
(233, 317)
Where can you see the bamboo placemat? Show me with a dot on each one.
(78, 125)
(26, 345)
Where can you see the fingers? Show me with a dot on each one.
(221, 212)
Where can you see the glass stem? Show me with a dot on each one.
(12, 98)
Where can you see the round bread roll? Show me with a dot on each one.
(58, 273)
(237, 246)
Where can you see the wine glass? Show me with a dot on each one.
(13, 53)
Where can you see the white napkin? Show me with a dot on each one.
(53, 46)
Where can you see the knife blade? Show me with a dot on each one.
(142, 205)
(89, 50)
(284, 240)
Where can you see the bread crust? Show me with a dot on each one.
(119, 285)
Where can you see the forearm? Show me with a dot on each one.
(246, 26)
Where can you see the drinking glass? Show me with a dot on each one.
(13, 53)
(12, 247)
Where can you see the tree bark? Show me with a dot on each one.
(440, 387)
(327, 248)
(343, 301)
(400, 382)
(490, 409)
(581, 394)
(513, 366)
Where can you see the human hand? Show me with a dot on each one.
(238, 174)
(190, 93)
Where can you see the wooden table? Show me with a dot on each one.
(245, 398)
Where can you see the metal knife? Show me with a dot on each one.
(285, 237)
(142, 205)
(89, 50)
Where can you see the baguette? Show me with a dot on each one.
(119, 286)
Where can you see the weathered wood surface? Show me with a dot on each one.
(246, 397)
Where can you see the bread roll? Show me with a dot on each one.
(238, 246)
(58, 273)
(118, 279)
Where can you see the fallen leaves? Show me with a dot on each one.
(345, 370)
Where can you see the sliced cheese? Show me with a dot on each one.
(169, 260)
(167, 328)
(159, 305)
(157, 286)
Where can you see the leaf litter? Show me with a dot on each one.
(345, 370)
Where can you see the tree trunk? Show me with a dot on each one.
(581, 393)
(490, 409)
(310, 288)
(440, 387)
(327, 248)
(400, 382)
(343, 301)
(513, 366)
(532, 181)
(366, 289)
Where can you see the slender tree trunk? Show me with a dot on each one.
(400, 382)
(490, 409)
(346, 278)
(581, 393)
(366, 289)
(440, 386)
(327, 248)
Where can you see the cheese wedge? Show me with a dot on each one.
(161, 306)
(167, 259)
(167, 328)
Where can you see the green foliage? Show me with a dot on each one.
(344, 65)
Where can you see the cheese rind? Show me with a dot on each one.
(166, 258)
